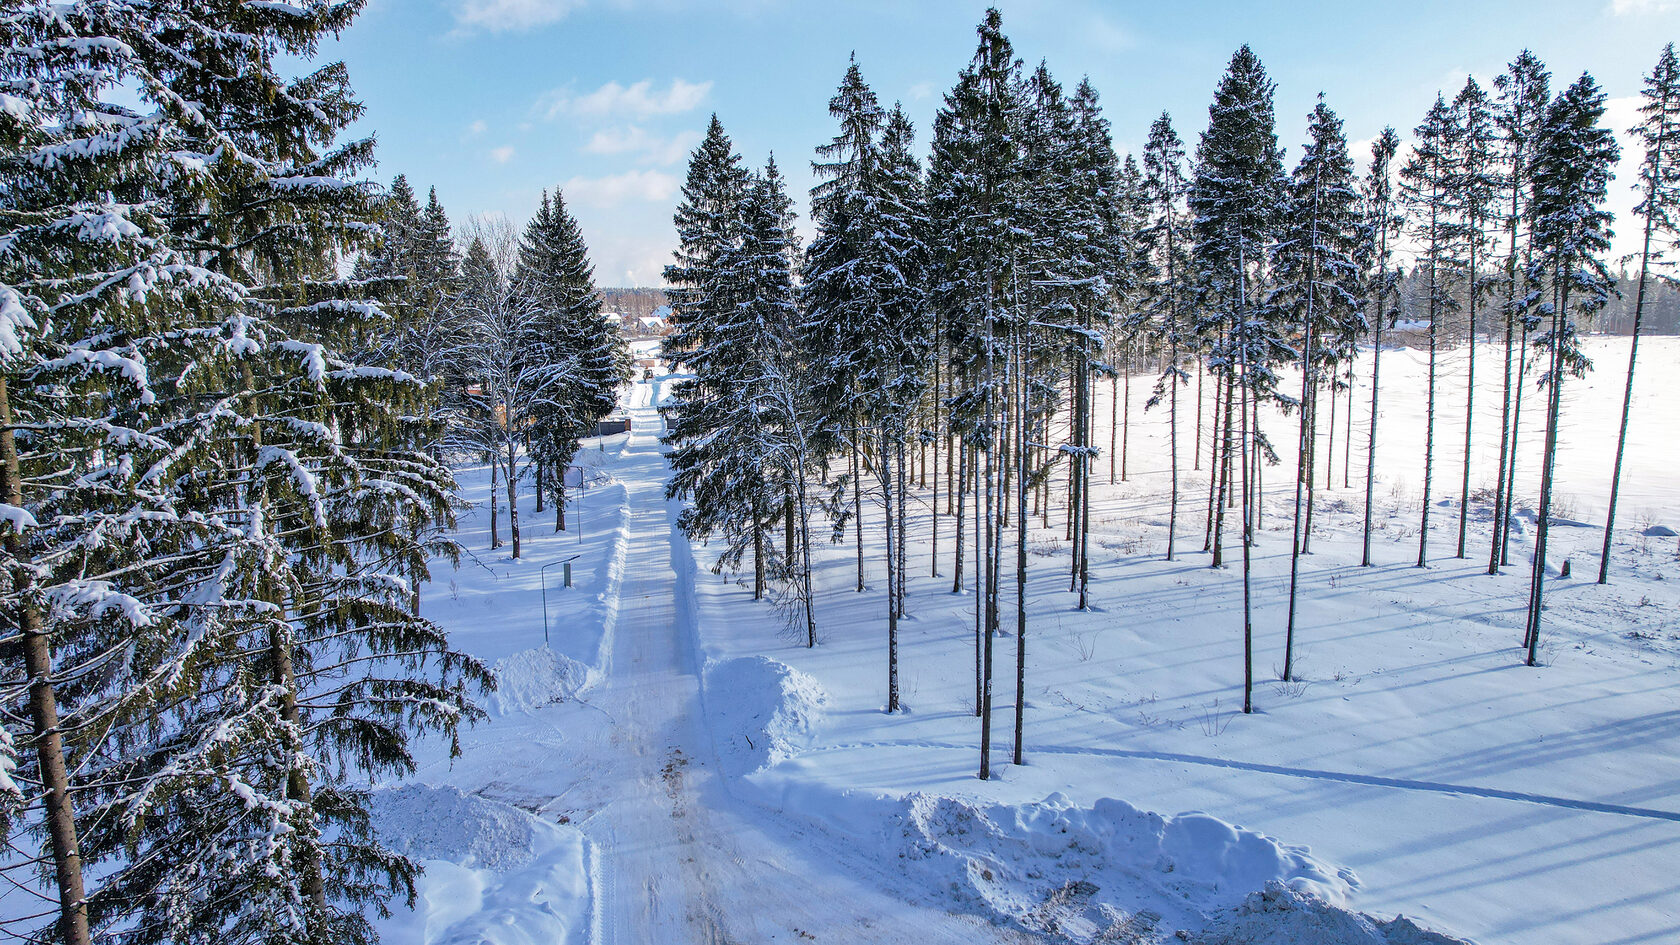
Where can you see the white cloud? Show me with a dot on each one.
(653, 149)
(921, 90)
(1641, 7)
(613, 100)
(496, 16)
(615, 189)
(503, 154)
(478, 127)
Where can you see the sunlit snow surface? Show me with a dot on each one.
(1417, 768)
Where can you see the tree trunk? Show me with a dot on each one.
(1247, 511)
(512, 481)
(1021, 541)
(1303, 477)
(1516, 430)
(857, 505)
(1633, 357)
(1347, 431)
(892, 573)
(1196, 454)
(1224, 462)
(1469, 414)
(962, 503)
(1371, 447)
(1548, 464)
(1429, 418)
(495, 516)
(57, 802)
(1172, 445)
(1126, 416)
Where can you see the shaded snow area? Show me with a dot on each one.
(672, 766)
(494, 875)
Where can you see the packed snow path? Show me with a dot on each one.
(678, 859)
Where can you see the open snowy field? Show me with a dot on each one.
(614, 796)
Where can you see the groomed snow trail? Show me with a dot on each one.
(677, 857)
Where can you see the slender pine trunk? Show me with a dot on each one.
(892, 572)
(1303, 475)
(1469, 414)
(511, 479)
(1429, 416)
(495, 516)
(857, 503)
(1548, 465)
(1633, 357)
(1172, 444)
(1021, 524)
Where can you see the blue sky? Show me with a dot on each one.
(493, 101)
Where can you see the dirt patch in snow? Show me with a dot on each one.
(762, 711)
(534, 678)
(1279, 915)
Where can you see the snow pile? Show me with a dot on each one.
(1082, 874)
(531, 679)
(763, 711)
(1279, 915)
(494, 875)
(443, 823)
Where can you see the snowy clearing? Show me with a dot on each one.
(1417, 769)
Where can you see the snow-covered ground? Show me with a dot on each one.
(704, 777)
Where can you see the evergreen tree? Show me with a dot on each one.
(1164, 242)
(865, 304)
(1317, 290)
(585, 356)
(1383, 226)
(260, 502)
(1426, 185)
(975, 185)
(1237, 198)
(1523, 94)
(1106, 207)
(1659, 196)
(1573, 162)
(1475, 191)
(714, 428)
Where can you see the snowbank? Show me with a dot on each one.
(763, 712)
(1080, 873)
(534, 678)
(494, 875)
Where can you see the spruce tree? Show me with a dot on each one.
(1165, 243)
(1658, 187)
(262, 502)
(570, 339)
(1383, 226)
(1475, 191)
(1317, 290)
(1426, 184)
(1521, 107)
(1573, 162)
(1237, 198)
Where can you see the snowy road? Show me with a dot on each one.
(679, 859)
